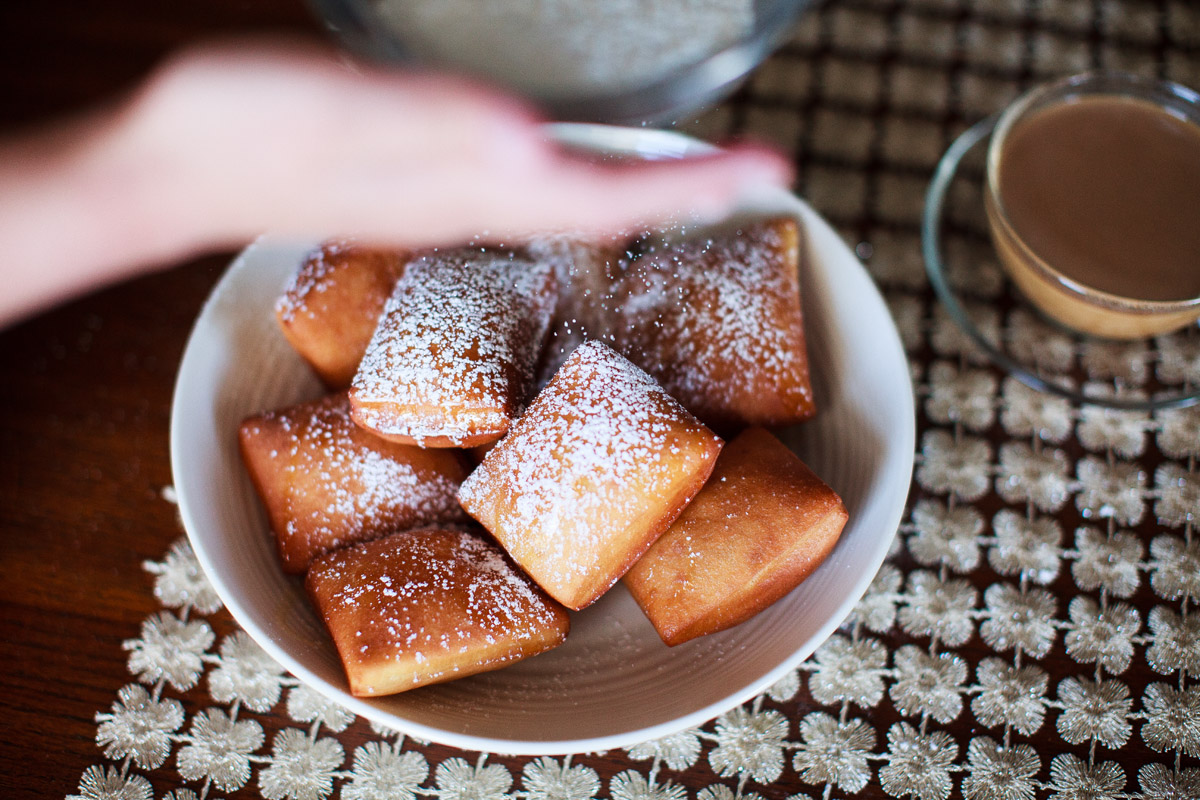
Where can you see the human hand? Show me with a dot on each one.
(225, 142)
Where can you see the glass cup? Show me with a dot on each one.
(1062, 298)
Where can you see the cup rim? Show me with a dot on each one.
(1117, 84)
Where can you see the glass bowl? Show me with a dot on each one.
(622, 62)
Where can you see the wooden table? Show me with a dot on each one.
(867, 97)
(85, 394)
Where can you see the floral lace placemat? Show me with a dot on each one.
(1035, 632)
(1055, 695)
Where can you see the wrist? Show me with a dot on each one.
(82, 205)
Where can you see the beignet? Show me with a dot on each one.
(759, 527)
(584, 309)
(452, 361)
(326, 483)
(716, 319)
(332, 305)
(601, 463)
(426, 606)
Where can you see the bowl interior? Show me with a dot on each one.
(613, 683)
(584, 61)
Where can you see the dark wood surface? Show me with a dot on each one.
(85, 394)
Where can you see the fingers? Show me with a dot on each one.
(288, 138)
(440, 203)
(704, 188)
(553, 193)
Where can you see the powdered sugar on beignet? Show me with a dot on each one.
(451, 363)
(585, 308)
(716, 319)
(426, 606)
(601, 463)
(326, 483)
(332, 304)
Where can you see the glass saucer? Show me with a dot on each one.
(1139, 375)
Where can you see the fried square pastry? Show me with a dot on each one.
(584, 309)
(452, 361)
(597, 468)
(716, 319)
(761, 524)
(327, 483)
(426, 606)
(332, 304)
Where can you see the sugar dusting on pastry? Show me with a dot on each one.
(423, 606)
(585, 305)
(589, 470)
(615, 427)
(717, 321)
(326, 483)
(360, 481)
(312, 278)
(456, 346)
(715, 316)
(332, 303)
(509, 596)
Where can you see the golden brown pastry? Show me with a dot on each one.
(584, 309)
(452, 361)
(332, 305)
(427, 606)
(326, 483)
(716, 319)
(601, 463)
(759, 527)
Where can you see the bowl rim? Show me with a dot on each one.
(896, 463)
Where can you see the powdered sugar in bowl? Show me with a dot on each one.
(613, 683)
(621, 61)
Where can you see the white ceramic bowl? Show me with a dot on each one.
(613, 683)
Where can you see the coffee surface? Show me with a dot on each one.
(1107, 191)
